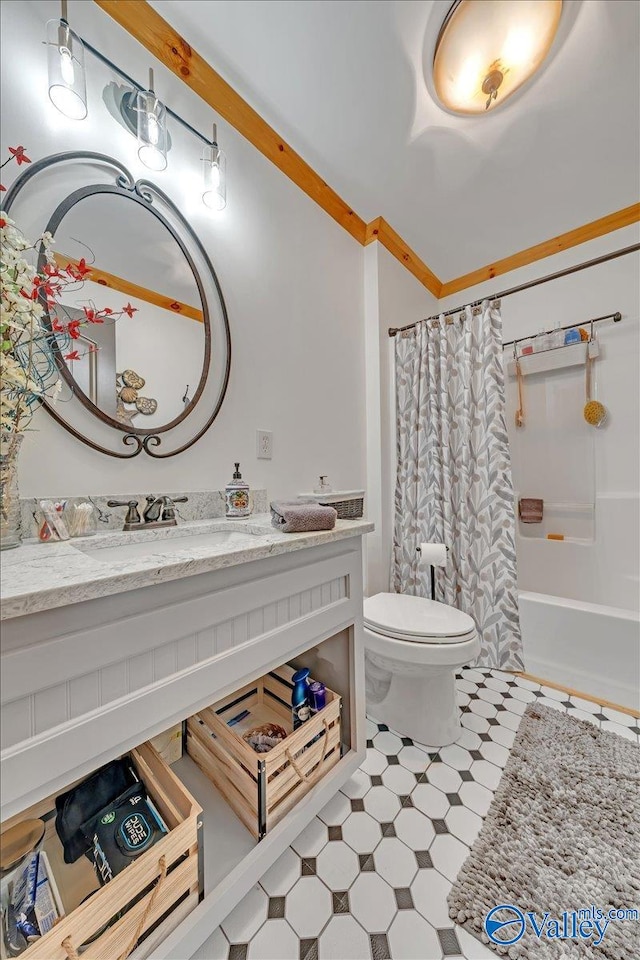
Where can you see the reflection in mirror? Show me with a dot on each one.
(142, 369)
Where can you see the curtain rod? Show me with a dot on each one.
(525, 286)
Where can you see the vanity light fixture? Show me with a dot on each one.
(214, 164)
(152, 128)
(65, 56)
(137, 109)
(487, 49)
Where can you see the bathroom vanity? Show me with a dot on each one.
(109, 641)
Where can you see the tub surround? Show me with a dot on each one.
(43, 576)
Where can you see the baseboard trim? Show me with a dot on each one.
(577, 693)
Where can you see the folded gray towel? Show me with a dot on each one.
(295, 516)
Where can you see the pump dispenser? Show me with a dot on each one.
(237, 500)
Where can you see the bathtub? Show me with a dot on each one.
(589, 647)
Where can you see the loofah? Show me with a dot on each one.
(594, 412)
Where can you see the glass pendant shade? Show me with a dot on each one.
(67, 81)
(214, 166)
(487, 49)
(152, 130)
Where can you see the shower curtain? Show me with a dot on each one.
(453, 481)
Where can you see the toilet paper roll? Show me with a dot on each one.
(434, 554)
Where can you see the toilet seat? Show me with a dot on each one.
(416, 620)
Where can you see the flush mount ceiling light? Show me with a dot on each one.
(487, 49)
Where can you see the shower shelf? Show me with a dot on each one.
(567, 506)
(574, 354)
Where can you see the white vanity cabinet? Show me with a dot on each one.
(84, 682)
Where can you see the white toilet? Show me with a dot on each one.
(413, 647)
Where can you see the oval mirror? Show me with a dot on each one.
(143, 369)
(158, 372)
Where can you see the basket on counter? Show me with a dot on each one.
(349, 504)
(263, 787)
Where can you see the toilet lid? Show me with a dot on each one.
(415, 618)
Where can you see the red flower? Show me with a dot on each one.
(73, 329)
(78, 270)
(30, 296)
(90, 314)
(56, 325)
(129, 310)
(19, 154)
(2, 187)
(3, 222)
(51, 270)
(74, 355)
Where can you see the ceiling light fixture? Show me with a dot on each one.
(487, 49)
(151, 128)
(214, 166)
(65, 57)
(138, 110)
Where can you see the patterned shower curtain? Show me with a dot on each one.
(453, 481)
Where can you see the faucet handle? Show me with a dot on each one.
(133, 515)
(168, 511)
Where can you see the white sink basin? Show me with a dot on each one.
(163, 547)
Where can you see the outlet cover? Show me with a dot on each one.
(264, 444)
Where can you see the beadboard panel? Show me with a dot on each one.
(73, 702)
(36, 710)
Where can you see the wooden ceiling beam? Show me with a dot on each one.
(144, 24)
(564, 241)
(147, 26)
(132, 290)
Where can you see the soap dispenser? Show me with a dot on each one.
(237, 500)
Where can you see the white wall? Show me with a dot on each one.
(607, 571)
(291, 278)
(393, 297)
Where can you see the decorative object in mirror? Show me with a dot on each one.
(126, 235)
(28, 369)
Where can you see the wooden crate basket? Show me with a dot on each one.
(161, 885)
(263, 787)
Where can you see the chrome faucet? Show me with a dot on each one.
(159, 512)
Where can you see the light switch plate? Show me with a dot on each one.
(264, 444)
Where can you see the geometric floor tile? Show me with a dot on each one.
(373, 903)
(343, 939)
(412, 938)
(368, 878)
(308, 906)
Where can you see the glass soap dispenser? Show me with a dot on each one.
(237, 499)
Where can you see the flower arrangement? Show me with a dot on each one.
(28, 371)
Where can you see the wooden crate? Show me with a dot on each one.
(164, 877)
(263, 787)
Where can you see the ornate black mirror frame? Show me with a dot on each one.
(142, 192)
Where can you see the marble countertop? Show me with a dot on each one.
(41, 576)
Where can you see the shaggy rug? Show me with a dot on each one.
(562, 835)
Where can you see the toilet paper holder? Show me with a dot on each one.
(433, 571)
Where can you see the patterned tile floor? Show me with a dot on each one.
(368, 879)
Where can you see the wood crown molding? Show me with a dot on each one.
(147, 26)
(564, 241)
(144, 24)
(381, 231)
(133, 290)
